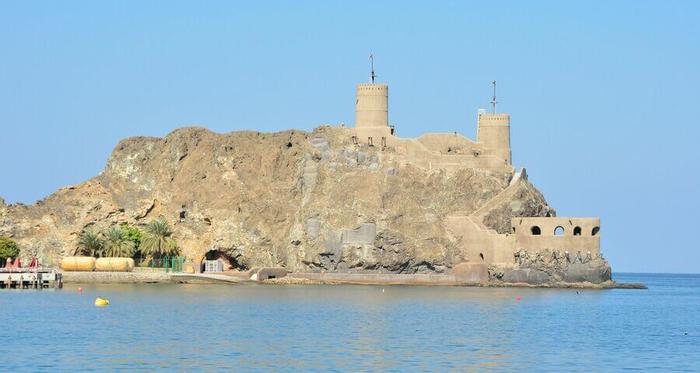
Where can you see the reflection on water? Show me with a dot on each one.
(354, 328)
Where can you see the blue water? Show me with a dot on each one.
(354, 328)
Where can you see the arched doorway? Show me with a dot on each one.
(227, 262)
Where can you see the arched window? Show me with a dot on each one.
(595, 231)
(577, 231)
(536, 231)
(559, 231)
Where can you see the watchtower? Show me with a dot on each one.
(372, 105)
(493, 131)
(372, 111)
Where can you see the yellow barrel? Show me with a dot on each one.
(78, 263)
(114, 265)
(188, 268)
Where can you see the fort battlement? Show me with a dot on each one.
(486, 118)
(372, 88)
(447, 151)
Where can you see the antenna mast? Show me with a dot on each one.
(493, 100)
(371, 62)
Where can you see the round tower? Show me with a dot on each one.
(493, 132)
(372, 105)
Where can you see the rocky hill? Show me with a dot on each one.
(306, 201)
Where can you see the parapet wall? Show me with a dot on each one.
(561, 233)
(446, 151)
(494, 119)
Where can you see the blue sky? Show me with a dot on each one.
(603, 95)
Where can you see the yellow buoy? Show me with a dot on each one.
(101, 302)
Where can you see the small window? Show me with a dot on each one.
(536, 231)
(595, 231)
(369, 141)
(559, 231)
(481, 255)
(577, 231)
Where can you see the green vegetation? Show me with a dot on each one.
(133, 234)
(128, 241)
(117, 243)
(91, 243)
(8, 248)
(157, 240)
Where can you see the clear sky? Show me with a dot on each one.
(603, 95)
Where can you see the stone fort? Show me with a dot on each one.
(571, 236)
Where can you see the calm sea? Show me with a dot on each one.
(354, 328)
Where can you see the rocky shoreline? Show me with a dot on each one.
(320, 279)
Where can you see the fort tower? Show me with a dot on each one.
(493, 131)
(372, 112)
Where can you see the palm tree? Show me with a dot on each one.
(157, 240)
(91, 243)
(117, 243)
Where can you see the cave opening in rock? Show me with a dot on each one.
(228, 262)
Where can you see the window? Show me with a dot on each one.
(536, 231)
(559, 231)
(595, 231)
(481, 255)
(369, 141)
(577, 231)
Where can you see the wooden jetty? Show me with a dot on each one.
(26, 278)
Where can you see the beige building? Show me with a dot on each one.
(571, 237)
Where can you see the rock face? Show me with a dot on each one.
(551, 266)
(304, 201)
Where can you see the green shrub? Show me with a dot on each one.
(133, 234)
(8, 248)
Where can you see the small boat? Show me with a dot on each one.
(101, 302)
